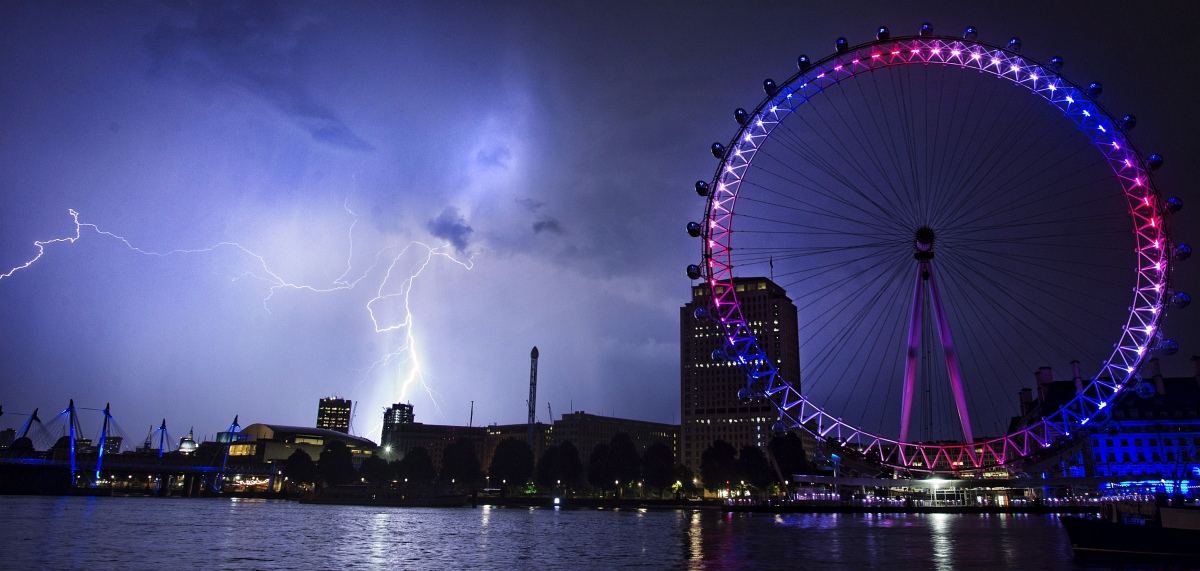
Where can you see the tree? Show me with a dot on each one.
(376, 470)
(788, 452)
(416, 467)
(754, 469)
(658, 466)
(546, 473)
(685, 481)
(599, 472)
(460, 463)
(560, 465)
(718, 465)
(623, 458)
(300, 468)
(336, 464)
(569, 468)
(512, 464)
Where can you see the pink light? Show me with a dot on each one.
(896, 53)
(974, 56)
(1033, 76)
(954, 53)
(838, 68)
(1015, 68)
(873, 56)
(855, 62)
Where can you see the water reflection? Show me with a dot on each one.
(49, 533)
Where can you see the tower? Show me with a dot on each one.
(533, 357)
(710, 409)
(334, 413)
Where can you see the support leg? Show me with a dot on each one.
(914, 348)
(939, 314)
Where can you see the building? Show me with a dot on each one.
(709, 408)
(397, 415)
(334, 414)
(585, 431)
(497, 433)
(401, 433)
(269, 442)
(1152, 439)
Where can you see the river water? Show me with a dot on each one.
(162, 533)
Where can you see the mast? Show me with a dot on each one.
(162, 437)
(71, 424)
(103, 441)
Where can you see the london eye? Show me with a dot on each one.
(949, 217)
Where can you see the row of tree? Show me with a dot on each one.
(613, 465)
(724, 467)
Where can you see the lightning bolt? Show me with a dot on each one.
(405, 356)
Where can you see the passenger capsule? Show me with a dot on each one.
(693, 271)
(701, 188)
(779, 429)
(718, 150)
(740, 116)
(693, 229)
(1127, 122)
(1154, 162)
(1181, 300)
(1056, 64)
(1014, 44)
(926, 30)
(719, 355)
(700, 314)
(1169, 347)
(842, 45)
(882, 33)
(803, 63)
(769, 86)
(1173, 205)
(970, 33)
(1094, 90)
(1144, 390)
(1183, 252)
(745, 395)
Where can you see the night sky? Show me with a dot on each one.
(532, 163)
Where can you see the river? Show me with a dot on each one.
(167, 533)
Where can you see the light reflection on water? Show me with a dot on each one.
(150, 533)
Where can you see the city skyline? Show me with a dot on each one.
(542, 166)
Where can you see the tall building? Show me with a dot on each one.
(397, 415)
(334, 414)
(710, 409)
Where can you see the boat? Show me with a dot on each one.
(1132, 528)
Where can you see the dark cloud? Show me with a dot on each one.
(451, 226)
(252, 46)
(530, 204)
(548, 224)
(494, 156)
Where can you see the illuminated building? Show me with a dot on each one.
(1151, 441)
(397, 415)
(269, 442)
(334, 414)
(710, 409)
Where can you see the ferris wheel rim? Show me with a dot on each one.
(1153, 244)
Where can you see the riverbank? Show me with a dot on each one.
(799, 507)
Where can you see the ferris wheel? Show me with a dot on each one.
(948, 217)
